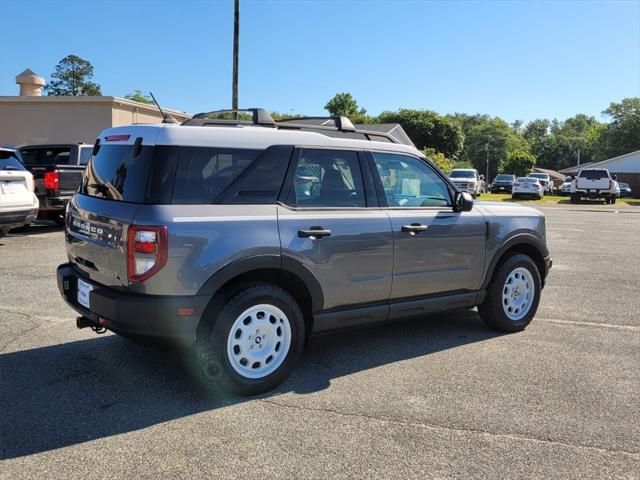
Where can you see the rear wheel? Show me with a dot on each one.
(612, 200)
(254, 342)
(513, 295)
(574, 198)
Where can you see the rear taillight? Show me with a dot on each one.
(610, 184)
(51, 180)
(516, 184)
(147, 249)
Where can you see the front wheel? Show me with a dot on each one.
(513, 295)
(254, 342)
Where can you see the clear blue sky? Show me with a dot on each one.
(517, 60)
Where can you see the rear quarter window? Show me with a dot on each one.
(46, 156)
(203, 173)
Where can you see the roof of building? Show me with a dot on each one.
(609, 161)
(575, 168)
(88, 100)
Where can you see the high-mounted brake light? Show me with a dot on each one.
(147, 251)
(51, 180)
(117, 138)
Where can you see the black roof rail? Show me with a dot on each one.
(259, 116)
(340, 122)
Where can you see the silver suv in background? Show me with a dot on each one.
(239, 239)
(468, 180)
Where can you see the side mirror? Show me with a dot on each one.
(463, 202)
(615, 177)
(482, 177)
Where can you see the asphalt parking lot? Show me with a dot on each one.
(435, 397)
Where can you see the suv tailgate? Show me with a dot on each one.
(96, 237)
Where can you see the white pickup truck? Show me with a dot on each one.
(594, 183)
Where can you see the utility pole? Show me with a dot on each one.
(487, 146)
(236, 41)
(578, 155)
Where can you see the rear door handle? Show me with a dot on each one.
(414, 228)
(314, 233)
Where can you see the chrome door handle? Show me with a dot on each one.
(414, 228)
(314, 233)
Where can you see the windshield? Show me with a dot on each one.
(539, 175)
(462, 174)
(46, 155)
(505, 178)
(527, 180)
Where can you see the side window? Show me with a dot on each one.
(85, 153)
(203, 173)
(327, 178)
(408, 182)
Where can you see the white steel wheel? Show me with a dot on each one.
(518, 293)
(258, 341)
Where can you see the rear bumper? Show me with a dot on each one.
(18, 218)
(502, 188)
(56, 204)
(132, 314)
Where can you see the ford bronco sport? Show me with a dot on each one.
(241, 238)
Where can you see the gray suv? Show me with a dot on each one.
(240, 238)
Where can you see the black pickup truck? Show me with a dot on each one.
(57, 173)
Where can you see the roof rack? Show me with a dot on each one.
(259, 116)
(341, 123)
(338, 125)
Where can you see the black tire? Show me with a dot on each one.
(612, 200)
(213, 367)
(59, 220)
(574, 198)
(514, 196)
(492, 310)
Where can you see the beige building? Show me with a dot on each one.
(32, 118)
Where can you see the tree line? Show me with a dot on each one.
(463, 140)
(458, 139)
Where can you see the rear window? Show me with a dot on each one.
(594, 174)
(505, 178)
(46, 156)
(164, 174)
(10, 161)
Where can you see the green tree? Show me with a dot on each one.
(72, 77)
(622, 134)
(519, 162)
(500, 137)
(138, 96)
(427, 129)
(343, 104)
(439, 159)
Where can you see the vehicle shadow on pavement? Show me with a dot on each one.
(38, 228)
(62, 395)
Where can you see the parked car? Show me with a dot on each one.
(594, 183)
(527, 187)
(18, 204)
(211, 246)
(625, 189)
(565, 188)
(545, 180)
(57, 171)
(503, 183)
(467, 180)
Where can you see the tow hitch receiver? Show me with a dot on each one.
(84, 322)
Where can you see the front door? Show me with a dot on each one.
(436, 250)
(326, 225)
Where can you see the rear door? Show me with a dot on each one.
(118, 179)
(329, 223)
(436, 250)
